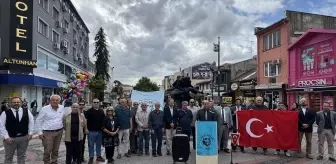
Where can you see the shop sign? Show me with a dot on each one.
(201, 71)
(269, 86)
(314, 82)
(318, 58)
(234, 86)
(21, 35)
(30, 63)
(247, 87)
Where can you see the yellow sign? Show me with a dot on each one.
(227, 100)
(19, 62)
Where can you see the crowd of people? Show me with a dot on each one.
(132, 127)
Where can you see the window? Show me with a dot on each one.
(44, 4)
(68, 70)
(272, 40)
(81, 40)
(66, 24)
(55, 37)
(52, 64)
(271, 69)
(75, 34)
(61, 67)
(74, 52)
(55, 13)
(43, 27)
(41, 60)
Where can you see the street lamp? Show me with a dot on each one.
(217, 49)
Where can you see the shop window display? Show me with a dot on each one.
(46, 93)
(271, 99)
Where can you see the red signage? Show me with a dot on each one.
(235, 137)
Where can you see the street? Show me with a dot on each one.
(35, 154)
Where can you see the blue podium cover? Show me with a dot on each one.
(206, 138)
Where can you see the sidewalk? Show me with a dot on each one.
(35, 155)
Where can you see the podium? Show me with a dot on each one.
(206, 142)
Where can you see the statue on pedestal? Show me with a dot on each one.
(181, 90)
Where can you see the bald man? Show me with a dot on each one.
(49, 126)
(259, 106)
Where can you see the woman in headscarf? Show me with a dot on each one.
(111, 128)
(295, 106)
(75, 127)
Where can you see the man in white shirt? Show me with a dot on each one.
(18, 129)
(141, 119)
(194, 110)
(49, 125)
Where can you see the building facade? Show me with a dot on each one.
(312, 68)
(54, 37)
(272, 44)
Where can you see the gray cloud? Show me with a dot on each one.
(156, 37)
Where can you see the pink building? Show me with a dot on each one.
(312, 69)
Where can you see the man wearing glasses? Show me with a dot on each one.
(95, 122)
(17, 126)
(81, 110)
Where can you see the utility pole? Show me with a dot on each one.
(217, 49)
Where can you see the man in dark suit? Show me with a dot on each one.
(206, 114)
(259, 106)
(133, 134)
(306, 121)
(234, 109)
(170, 117)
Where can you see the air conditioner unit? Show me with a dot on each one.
(65, 30)
(57, 45)
(58, 23)
(75, 40)
(64, 44)
(66, 51)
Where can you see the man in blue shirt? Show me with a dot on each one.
(124, 117)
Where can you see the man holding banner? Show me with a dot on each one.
(266, 129)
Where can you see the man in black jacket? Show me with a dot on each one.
(185, 118)
(306, 121)
(133, 134)
(170, 117)
(259, 106)
(206, 114)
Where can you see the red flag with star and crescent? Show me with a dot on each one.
(268, 129)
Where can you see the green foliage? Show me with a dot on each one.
(97, 85)
(146, 85)
(102, 55)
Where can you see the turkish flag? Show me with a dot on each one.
(268, 129)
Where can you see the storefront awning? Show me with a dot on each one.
(312, 89)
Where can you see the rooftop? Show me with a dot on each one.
(78, 16)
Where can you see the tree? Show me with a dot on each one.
(97, 85)
(146, 85)
(102, 55)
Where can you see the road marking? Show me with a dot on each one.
(2, 148)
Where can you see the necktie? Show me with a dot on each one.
(17, 116)
(206, 115)
(223, 115)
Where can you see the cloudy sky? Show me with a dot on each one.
(155, 38)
